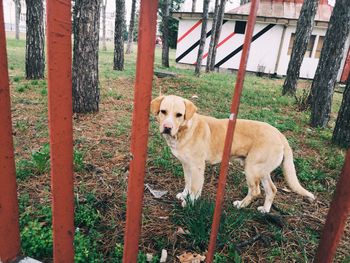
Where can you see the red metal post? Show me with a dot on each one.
(9, 227)
(230, 130)
(59, 58)
(140, 123)
(336, 218)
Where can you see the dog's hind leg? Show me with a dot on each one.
(270, 192)
(253, 181)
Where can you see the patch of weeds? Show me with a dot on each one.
(85, 247)
(21, 125)
(16, 79)
(78, 159)
(314, 178)
(39, 163)
(22, 88)
(34, 82)
(141, 257)
(43, 91)
(123, 125)
(36, 240)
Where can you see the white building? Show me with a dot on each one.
(272, 38)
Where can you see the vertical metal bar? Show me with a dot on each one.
(140, 123)
(9, 227)
(230, 130)
(336, 218)
(59, 58)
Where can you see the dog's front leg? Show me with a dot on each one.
(187, 175)
(194, 179)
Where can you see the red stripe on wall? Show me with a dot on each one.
(190, 30)
(220, 44)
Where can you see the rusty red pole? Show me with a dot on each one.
(59, 58)
(140, 123)
(230, 130)
(9, 227)
(336, 218)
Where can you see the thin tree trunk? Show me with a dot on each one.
(341, 133)
(35, 50)
(302, 37)
(203, 37)
(18, 16)
(129, 46)
(327, 70)
(103, 11)
(194, 3)
(165, 29)
(212, 37)
(86, 93)
(118, 35)
(217, 32)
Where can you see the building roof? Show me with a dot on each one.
(272, 11)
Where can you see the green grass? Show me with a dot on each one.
(318, 164)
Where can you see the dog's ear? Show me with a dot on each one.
(155, 104)
(190, 109)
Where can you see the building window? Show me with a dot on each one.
(291, 43)
(309, 48)
(240, 27)
(319, 46)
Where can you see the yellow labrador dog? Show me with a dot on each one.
(195, 139)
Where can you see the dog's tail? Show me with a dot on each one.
(290, 174)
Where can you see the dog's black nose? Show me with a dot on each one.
(167, 130)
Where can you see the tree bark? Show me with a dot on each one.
(86, 92)
(118, 35)
(35, 50)
(103, 12)
(212, 37)
(129, 46)
(302, 37)
(203, 37)
(341, 133)
(165, 29)
(217, 33)
(18, 16)
(331, 55)
(194, 3)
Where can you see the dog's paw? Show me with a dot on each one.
(237, 204)
(262, 210)
(183, 203)
(180, 196)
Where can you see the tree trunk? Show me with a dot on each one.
(203, 37)
(194, 3)
(103, 11)
(217, 33)
(329, 64)
(212, 37)
(302, 37)
(165, 29)
(18, 16)
(35, 50)
(85, 56)
(341, 133)
(118, 35)
(129, 46)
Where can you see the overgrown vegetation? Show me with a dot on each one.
(101, 159)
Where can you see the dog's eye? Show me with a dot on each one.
(163, 112)
(178, 115)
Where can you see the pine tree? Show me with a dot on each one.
(119, 35)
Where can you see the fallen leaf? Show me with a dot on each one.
(189, 257)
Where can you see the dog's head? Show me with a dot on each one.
(172, 112)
